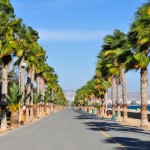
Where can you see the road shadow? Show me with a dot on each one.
(95, 123)
(130, 143)
(106, 125)
(84, 115)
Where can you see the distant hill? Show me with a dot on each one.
(135, 95)
(69, 94)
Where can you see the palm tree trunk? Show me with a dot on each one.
(105, 103)
(38, 92)
(32, 84)
(124, 95)
(113, 96)
(38, 84)
(22, 87)
(29, 71)
(38, 110)
(43, 95)
(99, 109)
(102, 107)
(41, 85)
(40, 89)
(43, 88)
(4, 79)
(52, 110)
(144, 97)
(14, 119)
(118, 98)
(4, 91)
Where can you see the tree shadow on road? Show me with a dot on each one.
(84, 115)
(107, 125)
(95, 123)
(130, 143)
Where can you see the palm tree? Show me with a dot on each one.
(81, 95)
(32, 63)
(13, 98)
(107, 55)
(140, 41)
(115, 51)
(38, 73)
(36, 98)
(8, 45)
(122, 53)
(21, 53)
(102, 82)
(32, 39)
(44, 79)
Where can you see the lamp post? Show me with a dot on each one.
(23, 65)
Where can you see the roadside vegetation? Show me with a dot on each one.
(26, 78)
(119, 54)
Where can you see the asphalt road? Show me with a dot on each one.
(75, 130)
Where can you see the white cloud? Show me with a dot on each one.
(70, 35)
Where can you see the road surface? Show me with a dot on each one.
(73, 129)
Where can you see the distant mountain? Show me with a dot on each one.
(130, 95)
(69, 94)
(135, 95)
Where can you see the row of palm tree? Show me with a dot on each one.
(119, 54)
(20, 41)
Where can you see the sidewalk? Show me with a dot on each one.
(134, 122)
(130, 122)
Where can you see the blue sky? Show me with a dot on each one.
(71, 31)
